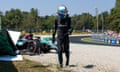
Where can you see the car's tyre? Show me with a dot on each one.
(45, 48)
(37, 46)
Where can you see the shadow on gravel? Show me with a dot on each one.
(40, 66)
(89, 66)
(72, 65)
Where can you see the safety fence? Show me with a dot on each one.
(112, 39)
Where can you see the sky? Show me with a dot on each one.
(49, 7)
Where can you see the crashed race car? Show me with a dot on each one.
(37, 45)
(47, 45)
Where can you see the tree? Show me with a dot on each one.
(76, 22)
(13, 18)
(103, 21)
(114, 18)
(18, 19)
(0, 20)
(33, 16)
(117, 3)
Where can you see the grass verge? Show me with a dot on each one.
(93, 41)
(26, 66)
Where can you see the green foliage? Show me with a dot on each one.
(83, 21)
(117, 3)
(12, 18)
(21, 20)
(115, 17)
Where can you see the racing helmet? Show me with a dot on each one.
(62, 11)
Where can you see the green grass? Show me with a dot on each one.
(93, 41)
(26, 66)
